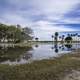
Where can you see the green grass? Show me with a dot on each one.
(41, 70)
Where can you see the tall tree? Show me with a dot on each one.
(36, 38)
(52, 37)
(56, 36)
(14, 33)
(63, 37)
(27, 33)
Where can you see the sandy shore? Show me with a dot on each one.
(74, 75)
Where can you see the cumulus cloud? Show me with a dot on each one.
(43, 16)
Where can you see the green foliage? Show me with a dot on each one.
(13, 33)
(27, 32)
(56, 33)
(68, 39)
(36, 39)
(56, 36)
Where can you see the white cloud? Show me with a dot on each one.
(25, 11)
(44, 29)
(71, 21)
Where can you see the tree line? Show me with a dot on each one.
(14, 33)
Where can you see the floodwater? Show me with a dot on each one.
(14, 55)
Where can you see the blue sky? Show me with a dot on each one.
(43, 16)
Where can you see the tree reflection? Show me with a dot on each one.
(61, 47)
(36, 45)
(27, 56)
(13, 53)
(56, 47)
(68, 46)
(52, 47)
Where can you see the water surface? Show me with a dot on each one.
(13, 55)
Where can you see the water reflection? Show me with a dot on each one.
(36, 45)
(13, 54)
(21, 55)
(64, 47)
(68, 46)
(52, 47)
(56, 47)
(27, 56)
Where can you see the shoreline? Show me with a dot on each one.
(56, 69)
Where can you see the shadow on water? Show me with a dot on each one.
(13, 53)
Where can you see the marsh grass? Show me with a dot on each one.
(41, 70)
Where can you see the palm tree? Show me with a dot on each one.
(36, 39)
(52, 37)
(56, 36)
(59, 37)
(68, 35)
(75, 35)
(63, 37)
(78, 38)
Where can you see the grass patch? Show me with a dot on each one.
(41, 70)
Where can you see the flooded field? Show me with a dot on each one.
(13, 55)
